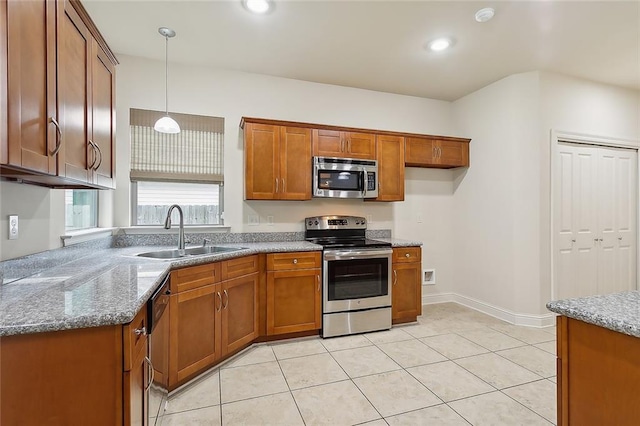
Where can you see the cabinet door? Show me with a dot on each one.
(239, 312)
(294, 301)
(295, 163)
(419, 152)
(329, 143)
(360, 145)
(452, 153)
(262, 160)
(194, 332)
(31, 88)
(103, 116)
(390, 154)
(406, 303)
(135, 383)
(74, 58)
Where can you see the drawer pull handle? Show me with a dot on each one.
(395, 277)
(152, 374)
(318, 280)
(140, 331)
(226, 303)
(58, 137)
(407, 255)
(219, 297)
(295, 261)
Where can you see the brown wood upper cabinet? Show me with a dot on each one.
(60, 111)
(277, 162)
(436, 152)
(390, 155)
(334, 143)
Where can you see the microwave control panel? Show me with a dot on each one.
(371, 181)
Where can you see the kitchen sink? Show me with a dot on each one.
(191, 251)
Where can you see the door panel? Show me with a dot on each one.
(262, 161)
(328, 143)
(361, 145)
(390, 154)
(103, 116)
(295, 163)
(239, 312)
(595, 220)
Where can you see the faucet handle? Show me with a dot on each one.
(205, 241)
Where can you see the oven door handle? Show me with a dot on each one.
(355, 254)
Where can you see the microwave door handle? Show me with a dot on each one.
(365, 183)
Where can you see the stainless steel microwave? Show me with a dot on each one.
(345, 178)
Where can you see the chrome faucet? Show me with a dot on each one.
(167, 225)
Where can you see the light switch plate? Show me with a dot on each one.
(13, 227)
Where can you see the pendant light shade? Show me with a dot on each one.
(166, 124)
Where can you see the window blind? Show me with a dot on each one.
(193, 155)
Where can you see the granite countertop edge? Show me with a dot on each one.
(118, 315)
(618, 312)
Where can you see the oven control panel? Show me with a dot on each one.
(335, 222)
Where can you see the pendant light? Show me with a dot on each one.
(166, 124)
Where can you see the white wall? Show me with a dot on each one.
(232, 95)
(41, 218)
(501, 208)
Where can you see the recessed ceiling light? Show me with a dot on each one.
(483, 15)
(440, 44)
(258, 6)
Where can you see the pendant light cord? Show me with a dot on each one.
(166, 75)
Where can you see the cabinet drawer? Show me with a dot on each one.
(295, 260)
(407, 254)
(195, 277)
(135, 343)
(238, 267)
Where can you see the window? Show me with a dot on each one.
(81, 209)
(184, 169)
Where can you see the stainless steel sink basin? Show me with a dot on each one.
(191, 251)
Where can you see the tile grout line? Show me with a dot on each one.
(290, 391)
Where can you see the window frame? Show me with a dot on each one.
(97, 212)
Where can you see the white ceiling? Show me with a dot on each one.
(379, 45)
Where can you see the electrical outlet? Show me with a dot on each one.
(369, 218)
(13, 227)
(270, 220)
(253, 220)
(419, 218)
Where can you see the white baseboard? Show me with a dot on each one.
(516, 318)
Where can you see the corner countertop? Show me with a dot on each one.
(82, 288)
(618, 311)
(102, 287)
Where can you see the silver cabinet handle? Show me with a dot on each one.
(318, 281)
(366, 182)
(341, 144)
(224, 306)
(395, 277)
(152, 375)
(99, 153)
(283, 186)
(433, 152)
(277, 185)
(407, 255)
(295, 261)
(439, 152)
(140, 331)
(220, 298)
(349, 144)
(95, 154)
(58, 137)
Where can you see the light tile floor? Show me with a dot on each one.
(455, 366)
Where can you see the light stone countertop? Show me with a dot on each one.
(78, 288)
(618, 312)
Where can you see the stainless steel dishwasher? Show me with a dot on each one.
(158, 319)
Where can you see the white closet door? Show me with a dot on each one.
(576, 260)
(625, 232)
(596, 207)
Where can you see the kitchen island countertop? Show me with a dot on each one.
(618, 311)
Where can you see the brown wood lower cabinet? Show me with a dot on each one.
(598, 375)
(294, 293)
(210, 321)
(406, 292)
(239, 312)
(88, 376)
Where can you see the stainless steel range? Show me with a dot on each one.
(356, 289)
